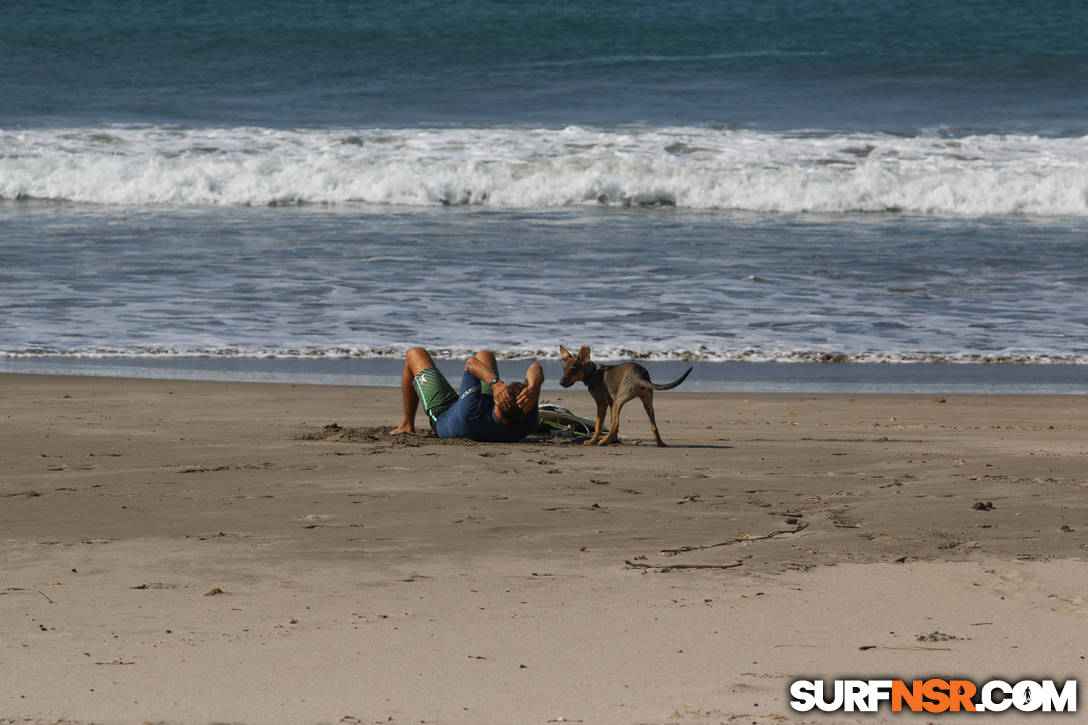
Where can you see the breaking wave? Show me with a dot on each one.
(685, 167)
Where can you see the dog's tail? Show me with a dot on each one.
(673, 384)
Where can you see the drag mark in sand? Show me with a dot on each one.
(666, 568)
(740, 539)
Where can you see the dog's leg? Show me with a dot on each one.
(614, 426)
(601, 408)
(647, 396)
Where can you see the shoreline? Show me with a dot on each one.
(190, 551)
(707, 377)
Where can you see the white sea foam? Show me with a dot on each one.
(695, 168)
(608, 352)
(234, 283)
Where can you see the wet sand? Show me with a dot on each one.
(196, 552)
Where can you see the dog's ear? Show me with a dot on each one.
(583, 354)
(564, 353)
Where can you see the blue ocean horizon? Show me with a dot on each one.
(887, 66)
(736, 183)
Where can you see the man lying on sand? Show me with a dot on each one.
(486, 410)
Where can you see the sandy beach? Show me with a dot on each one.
(199, 552)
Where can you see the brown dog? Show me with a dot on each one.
(613, 385)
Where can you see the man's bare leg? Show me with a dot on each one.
(415, 361)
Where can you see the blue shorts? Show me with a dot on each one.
(473, 417)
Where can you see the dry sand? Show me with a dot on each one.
(188, 552)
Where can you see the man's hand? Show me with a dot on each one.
(527, 398)
(503, 399)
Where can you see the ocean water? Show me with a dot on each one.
(200, 188)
